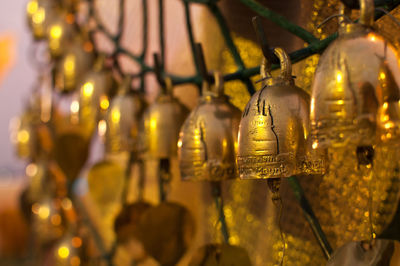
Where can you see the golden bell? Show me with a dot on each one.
(60, 32)
(74, 64)
(123, 119)
(39, 14)
(208, 138)
(345, 98)
(162, 121)
(95, 88)
(274, 129)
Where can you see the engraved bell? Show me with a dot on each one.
(70, 69)
(39, 14)
(345, 95)
(95, 89)
(274, 129)
(123, 119)
(162, 121)
(208, 138)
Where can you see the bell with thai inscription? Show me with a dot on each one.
(208, 138)
(162, 121)
(123, 119)
(95, 89)
(70, 69)
(345, 95)
(39, 14)
(274, 129)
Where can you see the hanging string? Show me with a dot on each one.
(219, 204)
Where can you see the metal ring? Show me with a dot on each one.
(286, 65)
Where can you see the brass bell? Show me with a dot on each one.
(162, 121)
(123, 119)
(274, 129)
(60, 32)
(208, 138)
(39, 14)
(95, 88)
(71, 68)
(345, 98)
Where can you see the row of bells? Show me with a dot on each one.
(281, 132)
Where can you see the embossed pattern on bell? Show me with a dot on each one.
(162, 122)
(208, 140)
(345, 98)
(273, 134)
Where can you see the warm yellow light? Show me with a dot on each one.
(224, 143)
(115, 115)
(315, 145)
(63, 252)
(339, 77)
(385, 105)
(74, 107)
(102, 128)
(39, 16)
(32, 7)
(55, 219)
(341, 102)
(372, 37)
(153, 123)
(104, 103)
(388, 125)
(76, 242)
(88, 89)
(31, 169)
(382, 75)
(56, 32)
(66, 204)
(44, 212)
(23, 136)
(179, 143)
(69, 65)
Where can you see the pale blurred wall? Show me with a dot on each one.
(14, 91)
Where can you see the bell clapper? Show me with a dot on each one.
(219, 204)
(274, 185)
(365, 156)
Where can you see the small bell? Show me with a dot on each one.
(95, 89)
(39, 14)
(123, 119)
(208, 138)
(345, 97)
(162, 122)
(274, 129)
(70, 69)
(60, 32)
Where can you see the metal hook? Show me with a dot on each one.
(334, 16)
(158, 70)
(202, 64)
(267, 51)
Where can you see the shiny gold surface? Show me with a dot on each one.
(162, 121)
(344, 93)
(59, 34)
(208, 139)
(39, 15)
(123, 120)
(274, 129)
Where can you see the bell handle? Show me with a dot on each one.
(284, 60)
(367, 8)
(218, 88)
(169, 87)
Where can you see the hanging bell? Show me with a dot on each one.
(39, 14)
(95, 89)
(75, 63)
(345, 96)
(208, 138)
(123, 119)
(162, 122)
(60, 32)
(273, 134)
